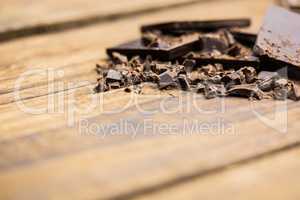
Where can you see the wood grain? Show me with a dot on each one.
(122, 165)
(75, 52)
(19, 18)
(45, 157)
(275, 177)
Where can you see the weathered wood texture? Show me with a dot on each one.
(100, 167)
(276, 177)
(76, 52)
(25, 17)
(44, 157)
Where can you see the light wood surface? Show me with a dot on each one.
(76, 52)
(275, 178)
(43, 156)
(26, 17)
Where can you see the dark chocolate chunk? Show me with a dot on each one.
(215, 79)
(246, 90)
(219, 41)
(160, 68)
(247, 39)
(118, 58)
(113, 75)
(194, 26)
(151, 77)
(279, 38)
(234, 78)
(263, 75)
(169, 48)
(218, 48)
(295, 93)
(196, 77)
(189, 64)
(209, 43)
(200, 87)
(150, 39)
(209, 70)
(166, 79)
(228, 61)
(280, 93)
(127, 89)
(101, 86)
(183, 82)
(114, 85)
(214, 90)
(250, 74)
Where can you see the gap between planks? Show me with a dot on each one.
(106, 12)
(171, 157)
(255, 179)
(84, 46)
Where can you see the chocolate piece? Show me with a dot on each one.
(160, 68)
(280, 93)
(215, 79)
(183, 82)
(234, 78)
(219, 41)
(279, 38)
(246, 90)
(189, 64)
(151, 77)
(195, 77)
(214, 90)
(247, 39)
(101, 86)
(263, 75)
(150, 40)
(113, 75)
(228, 62)
(169, 48)
(166, 79)
(200, 87)
(118, 58)
(114, 85)
(250, 74)
(196, 26)
(209, 70)
(218, 48)
(295, 93)
(135, 78)
(212, 42)
(128, 90)
(283, 89)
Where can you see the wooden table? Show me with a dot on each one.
(48, 53)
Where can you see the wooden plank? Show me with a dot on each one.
(72, 165)
(122, 165)
(276, 177)
(24, 18)
(82, 48)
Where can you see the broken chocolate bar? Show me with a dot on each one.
(221, 48)
(166, 79)
(246, 90)
(247, 39)
(168, 48)
(183, 82)
(278, 38)
(214, 90)
(196, 26)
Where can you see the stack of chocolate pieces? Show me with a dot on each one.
(214, 58)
